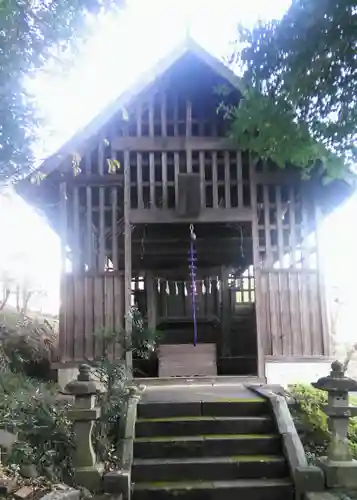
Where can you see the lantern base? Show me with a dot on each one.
(339, 474)
(90, 477)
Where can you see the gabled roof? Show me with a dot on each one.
(128, 97)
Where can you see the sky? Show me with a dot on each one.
(122, 48)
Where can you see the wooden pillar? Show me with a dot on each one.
(256, 263)
(63, 284)
(127, 260)
(325, 323)
(151, 295)
(226, 311)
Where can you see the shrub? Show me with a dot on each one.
(311, 421)
(44, 431)
(27, 344)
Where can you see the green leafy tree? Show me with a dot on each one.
(301, 72)
(31, 32)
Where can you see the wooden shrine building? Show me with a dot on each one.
(122, 195)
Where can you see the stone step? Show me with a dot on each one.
(207, 446)
(190, 426)
(210, 468)
(258, 489)
(240, 407)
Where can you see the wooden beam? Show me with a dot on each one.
(94, 180)
(279, 223)
(226, 311)
(279, 177)
(89, 219)
(163, 113)
(259, 307)
(151, 300)
(172, 144)
(321, 284)
(76, 248)
(101, 262)
(147, 216)
(127, 260)
(63, 285)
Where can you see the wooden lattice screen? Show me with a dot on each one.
(290, 295)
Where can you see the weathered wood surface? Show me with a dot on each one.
(187, 360)
(290, 313)
(92, 305)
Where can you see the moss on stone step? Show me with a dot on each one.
(203, 437)
(205, 418)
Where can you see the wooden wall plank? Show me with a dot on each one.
(115, 257)
(101, 260)
(285, 319)
(177, 171)
(63, 284)
(292, 226)
(164, 181)
(189, 134)
(263, 305)
(139, 158)
(321, 284)
(139, 116)
(127, 258)
(109, 310)
(151, 154)
(152, 179)
(69, 304)
(268, 249)
(239, 179)
(294, 306)
(273, 284)
(164, 155)
(78, 318)
(98, 316)
(89, 240)
(89, 317)
(214, 179)
(227, 180)
(93, 303)
(304, 314)
(139, 180)
(316, 324)
(279, 223)
(305, 231)
(119, 293)
(76, 245)
(202, 178)
(260, 299)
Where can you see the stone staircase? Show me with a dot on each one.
(209, 450)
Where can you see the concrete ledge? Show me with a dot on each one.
(63, 494)
(119, 482)
(323, 495)
(306, 477)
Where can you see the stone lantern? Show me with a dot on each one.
(340, 469)
(87, 471)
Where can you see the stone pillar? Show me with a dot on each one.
(340, 469)
(88, 472)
